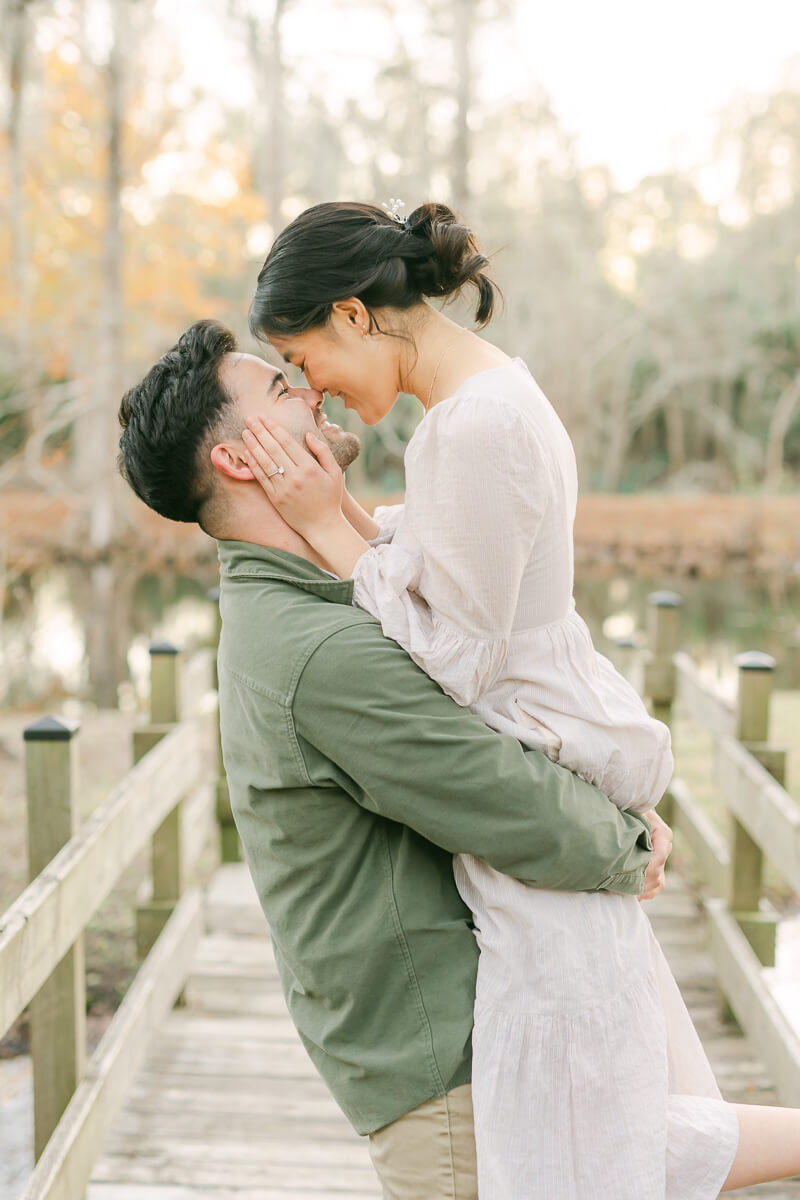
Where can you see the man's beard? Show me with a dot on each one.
(344, 446)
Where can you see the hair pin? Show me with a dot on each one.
(393, 210)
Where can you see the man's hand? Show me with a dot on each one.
(662, 846)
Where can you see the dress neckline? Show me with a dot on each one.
(467, 384)
(512, 362)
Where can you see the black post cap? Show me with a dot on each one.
(51, 729)
(665, 599)
(755, 660)
(164, 648)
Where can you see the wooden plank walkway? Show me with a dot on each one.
(228, 1106)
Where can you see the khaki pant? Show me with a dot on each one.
(429, 1154)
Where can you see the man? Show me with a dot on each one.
(354, 778)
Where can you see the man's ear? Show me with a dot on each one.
(230, 461)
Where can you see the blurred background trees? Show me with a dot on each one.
(663, 324)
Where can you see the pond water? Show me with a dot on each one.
(51, 621)
(54, 623)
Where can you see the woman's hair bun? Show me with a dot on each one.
(347, 248)
(454, 261)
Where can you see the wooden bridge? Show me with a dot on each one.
(200, 1088)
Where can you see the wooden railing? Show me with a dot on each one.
(174, 799)
(763, 824)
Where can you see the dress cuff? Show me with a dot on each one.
(388, 517)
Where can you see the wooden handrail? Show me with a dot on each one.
(764, 822)
(166, 800)
(63, 1171)
(755, 1008)
(707, 844)
(52, 912)
(704, 702)
(765, 809)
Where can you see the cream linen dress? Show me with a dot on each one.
(589, 1081)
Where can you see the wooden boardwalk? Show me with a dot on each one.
(228, 1107)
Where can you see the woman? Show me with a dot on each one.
(588, 1077)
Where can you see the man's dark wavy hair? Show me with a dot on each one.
(172, 418)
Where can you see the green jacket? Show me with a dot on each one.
(353, 779)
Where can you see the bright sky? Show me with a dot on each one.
(638, 82)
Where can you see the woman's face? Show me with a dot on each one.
(338, 359)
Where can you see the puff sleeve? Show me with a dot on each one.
(447, 586)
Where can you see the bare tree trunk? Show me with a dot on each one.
(676, 433)
(111, 374)
(17, 31)
(611, 432)
(98, 429)
(783, 416)
(257, 68)
(105, 603)
(463, 21)
(81, 10)
(268, 79)
(277, 119)
(95, 434)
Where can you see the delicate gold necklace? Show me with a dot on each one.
(439, 363)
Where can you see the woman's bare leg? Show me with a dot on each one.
(769, 1145)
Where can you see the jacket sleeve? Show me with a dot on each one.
(403, 749)
(448, 590)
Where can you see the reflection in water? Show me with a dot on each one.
(58, 642)
(719, 619)
(67, 633)
(42, 637)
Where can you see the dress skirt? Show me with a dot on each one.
(589, 1079)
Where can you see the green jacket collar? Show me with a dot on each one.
(240, 560)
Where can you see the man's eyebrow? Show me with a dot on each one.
(278, 377)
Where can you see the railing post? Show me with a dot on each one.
(792, 659)
(58, 1011)
(747, 859)
(663, 633)
(228, 834)
(167, 866)
(625, 655)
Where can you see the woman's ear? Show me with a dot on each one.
(230, 461)
(352, 315)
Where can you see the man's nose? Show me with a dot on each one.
(311, 396)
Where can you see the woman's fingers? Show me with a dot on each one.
(262, 474)
(279, 444)
(260, 462)
(301, 479)
(322, 452)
